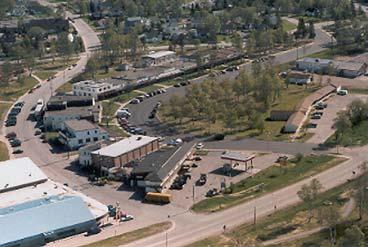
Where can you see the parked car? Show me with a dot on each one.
(202, 180)
(112, 210)
(126, 217)
(135, 101)
(197, 158)
(11, 135)
(342, 92)
(15, 142)
(212, 192)
(177, 85)
(316, 117)
(38, 132)
(199, 146)
(18, 151)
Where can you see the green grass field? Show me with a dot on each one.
(288, 26)
(149, 88)
(4, 155)
(109, 108)
(268, 180)
(16, 89)
(66, 87)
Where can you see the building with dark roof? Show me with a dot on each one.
(153, 173)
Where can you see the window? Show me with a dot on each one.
(80, 141)
(88, 139)
(87, 132)
(103, 137)
(95, 139)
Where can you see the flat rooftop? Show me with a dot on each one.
(159, 54)
(126, 145)
(47, 189)
(18, 173)
(42, 216)
(80, 125)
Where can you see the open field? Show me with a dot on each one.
(150, 88)
(109, 108)
(290, 220)
(16, 89)
(129, 237)
(66, 87)
(268, 180)
(4, 155)
(356, 136)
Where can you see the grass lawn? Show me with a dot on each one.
(149, 88)
(358, 90)
(282, 222)
(66, 87)
(326, 54)
(16, 89)
(109, 108)
(115, 131)
(4, 155)
(129, 237)
(44, 74)
(356, 136)
(288, 26)
(268, 180)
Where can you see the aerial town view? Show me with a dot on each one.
(183, 123)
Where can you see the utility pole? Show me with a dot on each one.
(255, 216)
(193, 193)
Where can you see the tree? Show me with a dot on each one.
(237, 42)
(308, 193)
(7, 71)
(331, 216)
(361, 192)
(301, 30)
(353, 236)
(342, 124)
(311, 30)
(92, 66)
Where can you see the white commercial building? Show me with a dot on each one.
(78, 133)
(93, 89)
(35, 210)
(158, 58)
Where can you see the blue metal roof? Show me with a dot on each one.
(43, 216)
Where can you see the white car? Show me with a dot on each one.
(199, 146)
(342, 92)
(127, 217)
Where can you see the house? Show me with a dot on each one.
(299, 78)
(131, 22)
(158, 58)
(350, 69)
(276, 115)
(53, 120)
(94, 89)
(78, 133)
(315, 65)
(124, 152)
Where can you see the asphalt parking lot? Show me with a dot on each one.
(211, 164)
(324, 128)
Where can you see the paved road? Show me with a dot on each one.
(40, 153)
(192, 227)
